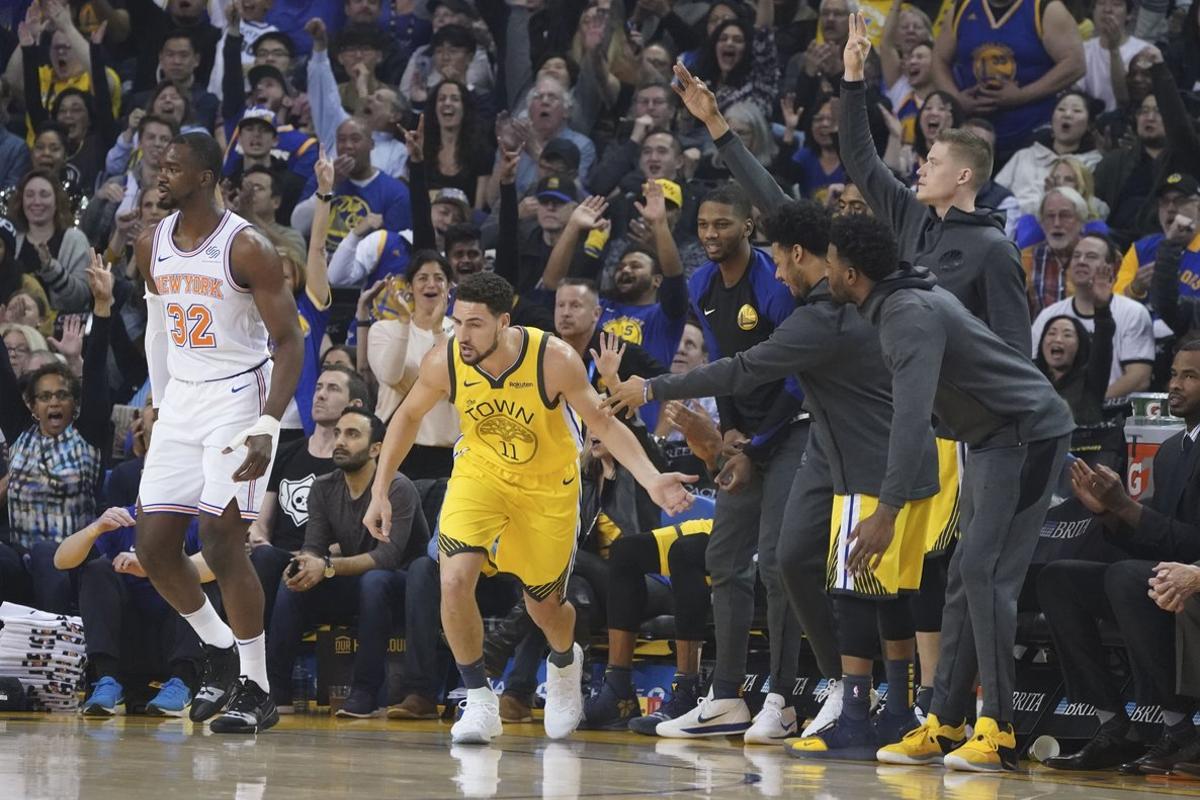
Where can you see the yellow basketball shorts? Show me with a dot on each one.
(899, 568)
(942, 509)
(527, 525)
(666, 537)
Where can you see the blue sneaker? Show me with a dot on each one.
(685, 693)
(608, 711)
(891, 728)
(171, 701)
(106, 695)
(846, 739)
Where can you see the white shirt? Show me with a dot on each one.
(394, 351)
(355, 259)
(1025, 173)
(1097, 80)
(1133, 341)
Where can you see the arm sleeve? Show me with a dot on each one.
(318, 533)
(1178, 312)
(887, 196)
(1005, 301)
(129, 358)
(233, 84)
(1181, 134)
(405, 506)
(1167, 536)
(587, 155)
(1099, 365)
(749, 172)
(673, 296)
(156, 347)
(424, 236)
(103, 123)
(30, 61)
(96, 409)
(116, 161)
(343, 264)
(508, 248)
(912, 345)
(387, 349)
(327, 111)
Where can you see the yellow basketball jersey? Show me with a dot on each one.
(508, 421)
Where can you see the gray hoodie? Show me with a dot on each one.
(835, 355)
(968, 252)
(946, 362)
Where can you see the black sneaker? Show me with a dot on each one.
(250, 710)
(685, 693)
(218, 679)
(359, 705)
(608, 711)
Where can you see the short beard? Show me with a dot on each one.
(479, 359)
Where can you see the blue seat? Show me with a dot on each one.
(703, 508)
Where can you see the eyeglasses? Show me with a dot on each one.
(20, 350)
(59, 395)
(275, 52)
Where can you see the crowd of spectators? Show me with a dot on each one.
(389, 148)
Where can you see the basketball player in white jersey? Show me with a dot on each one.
(215, 296)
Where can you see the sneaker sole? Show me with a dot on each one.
(393, 713)
(750, 738)
(159, 711)
(864, 753)
(473, 738)
(959, 764)
(356, 714)
(269, 722)
(102, 712)
(729, 729)
(901, 760)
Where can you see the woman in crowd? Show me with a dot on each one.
(906, 56)
(1069, 134)
(817, 163)
(459, 156)
(1067, 171)
(51, 152)
(938, 113)
(21, 341)
(395, 348)
(740, 63)
(47, 244)
(748, 122)
(59, 429)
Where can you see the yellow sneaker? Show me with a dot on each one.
(924, 745)
(989, 750)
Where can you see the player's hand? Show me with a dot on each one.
(858, 46)
(608, 360)
(871, 538)
(668, 491)
(312, 572)
(736, 474)
(127, 564)
(378, 519)
(258, 454)
(626, 397)
(113, 518)
(696, 96)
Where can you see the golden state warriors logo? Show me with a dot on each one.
(994, 64)
(627, 328)
(344, 213)
(504, 426)
(747, 317)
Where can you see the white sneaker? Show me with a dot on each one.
(710, 717)
(832, 708)
(775, 722)
(564, 696)
(480, 720)
(478, 770)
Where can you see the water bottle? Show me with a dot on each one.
(300, 690)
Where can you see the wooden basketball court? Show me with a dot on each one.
(64, 757)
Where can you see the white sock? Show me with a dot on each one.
(483, 694)
(253, 655)
(208, 625)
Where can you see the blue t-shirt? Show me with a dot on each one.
(1189, 262)
(383, 195)
(314, 318)
(123, 540)
(649, 326)
(291, 17)
(814, 181)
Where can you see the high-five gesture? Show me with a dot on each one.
(654, 210)
(858, 46)
(699, 100)
(589, 214)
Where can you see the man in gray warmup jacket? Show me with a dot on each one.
(945, 363)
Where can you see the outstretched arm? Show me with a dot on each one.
(566, 379)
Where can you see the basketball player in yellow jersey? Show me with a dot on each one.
(513, 499)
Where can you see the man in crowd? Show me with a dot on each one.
(549, 111)
(1178, 206)
(179, 62)
(1062, 215)
(1133, 345)
(1075, 594)
(365, 582)
(258, 137)
(1106, 55)
(260, 200)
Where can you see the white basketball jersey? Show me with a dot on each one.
(213, 327)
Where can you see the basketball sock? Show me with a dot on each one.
(726, 690)
(473, 675)
(209, 626)
(856, 697)
(621, 681)
(899, 678)
(253, 655)
(564, 658)
(925, 698)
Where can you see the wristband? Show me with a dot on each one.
(645, 392)
(326, 197)
(264, 425)
(363, 323)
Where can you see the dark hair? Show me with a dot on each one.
(707, 67)
(657, 83)
(810, 141)
(487, 288)
(453, 35)
(1114, 250)
(154, 119)
(1190, 344)
(655, 266)
(350, 352)
(276, 181)
(378, 429)
(920, 145)
(205, 152)
(1128, 7)
(63, 217)
(1094, 109)
(572, 67)
(55, 127)
(356, 385)
(866, 243)
(278, 36)
(730, 194)
(801, 222)
(423, 257)
(972, 149)
(657, 131)
(1081, 355)
(73, 92)
(470, 139)
(179, 33)
(460, 232)
(981, 123)
(184, 94)
(74, 385)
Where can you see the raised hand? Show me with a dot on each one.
(25, 34)
(1102, 287)
(100, 281)
(366, 300)
(654, 210)
(315, 28)
(696, 97)
(97, 36)
(589, 214)
(70, 346)
(324, 172)
(415, 141)
(506, 169)
(791, 111)
(608, 360)
(858, 46)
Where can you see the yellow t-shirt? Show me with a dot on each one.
(50, 88)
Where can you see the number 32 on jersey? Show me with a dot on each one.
(189, 326)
